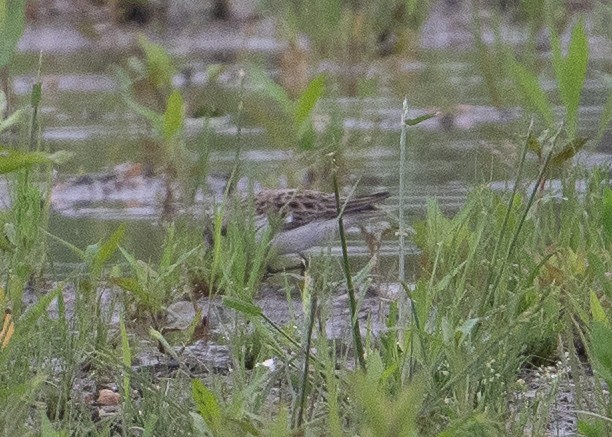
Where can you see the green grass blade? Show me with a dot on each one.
(266, 86)
(606, 117)
(107, 250)
(174, 117)
(13, 160)
(13, 119)
(160, 67)
(242, 306)
(571, 73)
(12, 25)
(531, 91)
(606, 213)
(419, 119)
(308, 99)
(126, 359)
(207, 405)
(597, 310)
(568, 151)
(601, 336)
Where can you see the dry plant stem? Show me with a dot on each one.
(349, 280)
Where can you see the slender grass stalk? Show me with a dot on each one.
(305, 369)
(494, 344)
(126, 360)
(504, 227)
(536, 189)
(235, 176)
(347, 273)
(219, 211)
(402, 193)
(30, 212)
(34, 130)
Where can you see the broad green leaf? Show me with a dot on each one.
(7, 241)
(207, 405)
(28, 321)
(246, 427)
(106, 250)
(597, 311)
(12, 25)
(465, 330)
(606, 115)
(167, 271)
(568, 151)
(128, 284)
(571, 73)
(242, 306)
(308, 99)
(175, 114)
(198, 424)
(532, 92)
(159, 64)
(130, 259)
(306, 136)
(135, 287)
(444, 283)
(601, 336)
(78, 252)
(261, 82)
(47, 429)
(13, 160)
(12, 120)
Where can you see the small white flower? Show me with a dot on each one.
(269, 364)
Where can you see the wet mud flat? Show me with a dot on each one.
(207, 355)
(211, 356)
(283, 308)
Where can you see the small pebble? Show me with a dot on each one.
(108, 397)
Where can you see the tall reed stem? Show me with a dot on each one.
(402, 194)
(347, 273)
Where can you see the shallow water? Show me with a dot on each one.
(83, 112)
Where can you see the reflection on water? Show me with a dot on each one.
(83, 113)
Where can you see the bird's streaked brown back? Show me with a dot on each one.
(300, 207)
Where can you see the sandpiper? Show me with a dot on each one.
(302, 219)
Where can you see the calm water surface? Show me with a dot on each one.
(83, 112)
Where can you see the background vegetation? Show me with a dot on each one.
(510, 303)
